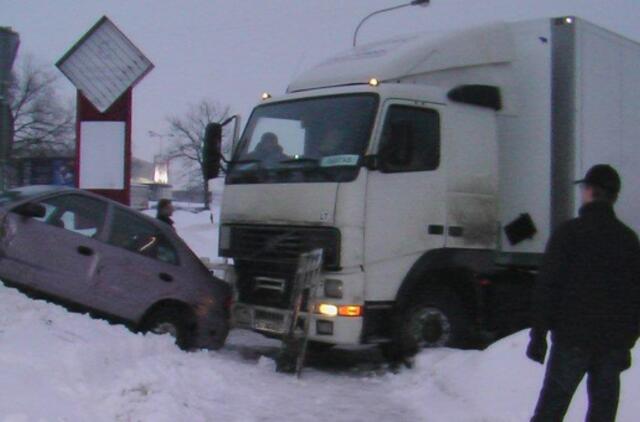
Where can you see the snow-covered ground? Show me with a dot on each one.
(61, 366)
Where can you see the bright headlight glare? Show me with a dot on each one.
(225, 237)
(333, 288)
(327, 309)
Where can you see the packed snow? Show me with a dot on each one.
(62, 366)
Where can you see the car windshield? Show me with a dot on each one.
(312, 140)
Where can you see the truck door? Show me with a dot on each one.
(405, 201)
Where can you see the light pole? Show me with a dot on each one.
(9, 42)
(388, 9)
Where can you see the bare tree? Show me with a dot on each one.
(42, 123)
(187, 133)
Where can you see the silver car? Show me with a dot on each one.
(92, 253)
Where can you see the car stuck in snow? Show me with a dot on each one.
(96, 255)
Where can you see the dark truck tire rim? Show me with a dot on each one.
(430, 327)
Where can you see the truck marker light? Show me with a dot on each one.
(374, 82)
(328, 310)
(350, 310)
(568, 20)
(265, 96)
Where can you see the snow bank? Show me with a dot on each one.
(496, 385)
(61, 366)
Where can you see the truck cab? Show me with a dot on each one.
(411, 163)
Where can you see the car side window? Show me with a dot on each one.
(410, 140)
(76, 213)
(137, 235)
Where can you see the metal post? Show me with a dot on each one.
(9, 42)
(388, 9)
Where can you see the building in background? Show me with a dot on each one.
(56, 169)
(149, 182)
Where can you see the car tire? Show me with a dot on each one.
(434, 319)
(218, 334)
(174, 321)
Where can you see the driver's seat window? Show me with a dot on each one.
(410, 140)
(76, 213)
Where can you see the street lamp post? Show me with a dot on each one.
(388, 9)
(9, 42)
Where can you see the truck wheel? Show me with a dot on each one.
(434, 319)
(171, 321)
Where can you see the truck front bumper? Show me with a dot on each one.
(272, 322)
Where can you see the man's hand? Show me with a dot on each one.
(537, 350)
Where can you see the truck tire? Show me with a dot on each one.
(174, 321)
(435, 318)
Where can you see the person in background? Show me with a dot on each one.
(588, 295)
(165, 211)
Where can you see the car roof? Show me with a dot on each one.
(34, 191)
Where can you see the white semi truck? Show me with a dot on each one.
(431, 169)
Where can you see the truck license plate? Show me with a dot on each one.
(272, 322)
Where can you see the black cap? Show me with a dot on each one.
(603, 176)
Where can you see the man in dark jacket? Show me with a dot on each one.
(165, 211)
(588, 296)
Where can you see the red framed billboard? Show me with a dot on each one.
(103, 148)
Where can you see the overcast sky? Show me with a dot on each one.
(232, 50)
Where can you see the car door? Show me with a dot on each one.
(55, 254)
(406, 207)
(139, 265)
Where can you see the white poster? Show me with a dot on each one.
(102, 148)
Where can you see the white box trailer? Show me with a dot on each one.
(431, 169)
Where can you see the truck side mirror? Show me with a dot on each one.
(31, 210)
(212, 151)
(397, 150)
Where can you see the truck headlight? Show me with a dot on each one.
(224, 242)
(327, 309)
(333, 288)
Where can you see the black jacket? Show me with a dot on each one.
(165, 219)
(588, 290)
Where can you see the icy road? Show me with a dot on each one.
(61, 366)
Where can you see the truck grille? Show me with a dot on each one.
(266, 283)
(282, 244)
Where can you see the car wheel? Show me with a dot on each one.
(219, 331)
(434, 319)
(176, 322)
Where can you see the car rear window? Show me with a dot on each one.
(76, 213)
(137, 235)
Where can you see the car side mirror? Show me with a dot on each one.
(212, 151)
(398, 148)
(31, 210)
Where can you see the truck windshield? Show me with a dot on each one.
(318, 139)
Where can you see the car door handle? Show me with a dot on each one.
(165, 277)
(84, 250)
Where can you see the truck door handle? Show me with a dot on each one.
(85, 250)
(165, 277)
